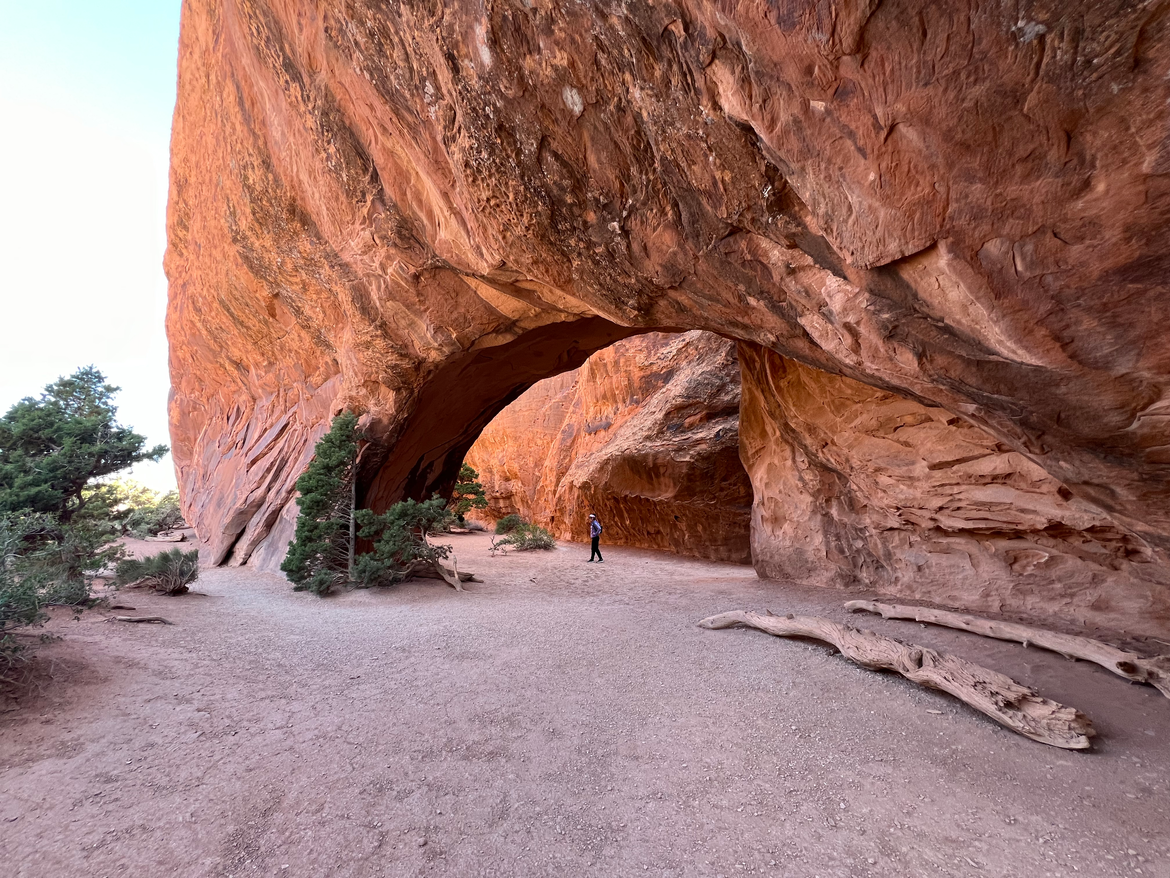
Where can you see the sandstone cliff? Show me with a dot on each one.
(417, 210)
(645, 434)
(912, 500)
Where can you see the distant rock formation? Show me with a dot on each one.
(418, 210)
(645, 434)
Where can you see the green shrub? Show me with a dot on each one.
(509, 523)
(170, 572)
(319, 557)
(64, 560)
(467, 494)
(152, 518)
(400, 540)
(44, 563)
(448, 521)
(525, 537)
(20, 593)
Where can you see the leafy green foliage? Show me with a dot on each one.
(132, 508)
(525, 537)
(170, 572)
(318, 556)
(69, 557)
(43, 563)
(448, 521)
(400, 540)
(468, 493)
(159, 514)
(508, 523)
(53, 447)
(20, 594)
(58, 521)
(112, 501)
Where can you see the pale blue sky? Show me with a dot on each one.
(87, 88)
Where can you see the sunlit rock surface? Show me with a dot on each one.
(911, 500)
(417, 210)
(645, 435)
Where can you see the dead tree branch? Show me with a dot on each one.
(141, 619)
(1009, 703)
(1154, 670)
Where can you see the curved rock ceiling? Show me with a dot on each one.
(417, 209)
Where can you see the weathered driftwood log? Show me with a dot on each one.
(445, 570)
(167, 537)
(1015, 706)
(1154, 670)
(141, 619)
(449, 570)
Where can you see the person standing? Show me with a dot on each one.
(595, 537)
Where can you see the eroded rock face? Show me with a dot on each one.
(645, 434)
(417, 210)
(913, 500)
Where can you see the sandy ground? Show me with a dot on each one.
(562, 719)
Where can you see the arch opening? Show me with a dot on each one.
(645, 434)
(461, 397)
(844, 484)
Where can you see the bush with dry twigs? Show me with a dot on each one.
(170, 572)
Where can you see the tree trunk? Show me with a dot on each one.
(1009, 703)
(352, 524)
(1154, 670)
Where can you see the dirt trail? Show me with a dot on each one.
(561, 719)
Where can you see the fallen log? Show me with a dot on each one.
(449, 571)
(141, 619)
(1154, 670)
(431, 570)
(1009, 703)
(167, 537)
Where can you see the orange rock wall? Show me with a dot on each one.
(418, 210)
(911, 500)
(645, 435)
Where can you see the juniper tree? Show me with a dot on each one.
(321, 554)
(53, 448)
(468, 493)
(400, 540)
(53, 451)
(21, 593)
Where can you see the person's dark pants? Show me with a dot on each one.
(596, 551)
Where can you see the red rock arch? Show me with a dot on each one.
(946, 204)
(462, 397)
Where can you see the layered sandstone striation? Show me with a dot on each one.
(418, 210)
(910, 499)
(645, 434)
